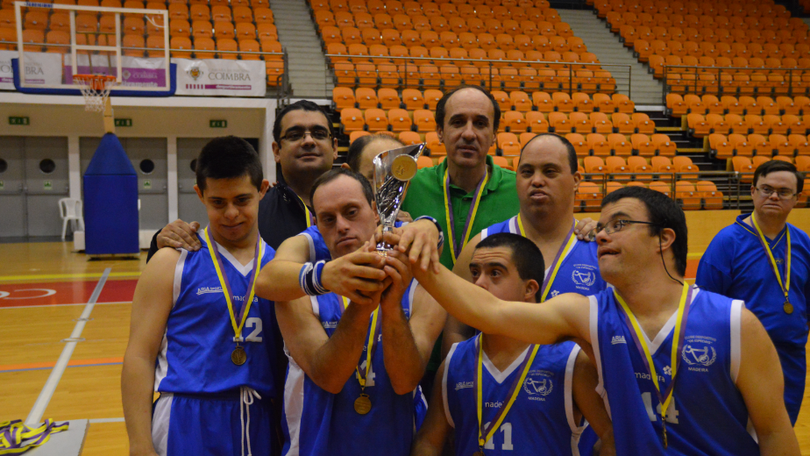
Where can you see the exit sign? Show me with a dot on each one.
(218, 124)
(123, 122)
(19, 120)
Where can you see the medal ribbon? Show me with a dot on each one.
(677, 347)
(555, 266)
(485, 434)
(370, 347)
(239, 323)
(786, 286)
(307, 213)
(455, 248)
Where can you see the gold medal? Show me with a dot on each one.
(788, 307)
(403, 167)
(362, 404)
(238, 356)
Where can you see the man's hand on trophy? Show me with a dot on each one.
(358, 276)
(419, 239)
(398, 269)
(403, 216)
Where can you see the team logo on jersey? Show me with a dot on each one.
(584, 275)
(329, 324)
(463, 385)
(538, 384)
(208, 290)
(698, 353)
(618, 340)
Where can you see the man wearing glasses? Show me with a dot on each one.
(683, 370)
(305, 147)
(765, 261)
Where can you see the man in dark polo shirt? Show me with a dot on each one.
(305, 146)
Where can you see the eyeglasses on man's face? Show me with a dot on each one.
(783, 193)
(614, 226)
(297, 134)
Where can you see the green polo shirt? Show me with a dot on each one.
(426, 197)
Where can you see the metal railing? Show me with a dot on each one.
(411, 78)
(791, 83)
(732, 186)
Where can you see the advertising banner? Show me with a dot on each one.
(41, 69)
(137, 71)
(236, 78)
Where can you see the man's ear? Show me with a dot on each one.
(199, 193)
(530, 290)
(346, 166)
(263, 189)
(667, 238)
(276, 151)
(376, 214)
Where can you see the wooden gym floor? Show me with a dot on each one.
(44, 288)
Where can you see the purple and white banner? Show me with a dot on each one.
(41, 69)
(236, 78)
(137, 71)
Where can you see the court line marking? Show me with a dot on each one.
(37, 306)
(105, 420)
(35, 416)
(82, 275)
(73, 363)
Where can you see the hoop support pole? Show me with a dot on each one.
(109, 119)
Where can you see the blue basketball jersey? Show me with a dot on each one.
(541, 420)
(707, 414)
(195, 354)
(317, 422)
(736, 265)
(579, 271)
(317, 247)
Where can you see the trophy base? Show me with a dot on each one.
(383, 248)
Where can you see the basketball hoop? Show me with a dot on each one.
(95, 88)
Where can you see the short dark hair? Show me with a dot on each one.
(664, 212)
(228, 157)
(572, 153)
(440, 112)
(302, 105)
(773, 166)
(526, 256)
(333, 174)
(356, 148)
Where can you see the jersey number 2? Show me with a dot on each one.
(256, 324)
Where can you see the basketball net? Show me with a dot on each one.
(96, 91)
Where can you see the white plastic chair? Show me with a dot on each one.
(71, 211)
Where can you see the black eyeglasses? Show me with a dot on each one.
(619, 224)
(297, 134)
(784, 193)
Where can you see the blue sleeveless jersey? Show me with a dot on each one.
(707, 415)
(317, 422)
(195, 355)
(541, 420)
(579, 272)
(736, 265)
(317, 247)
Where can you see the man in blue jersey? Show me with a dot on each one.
(683, 370)
(354, 366)
(547, 179)
(533, 396)
(765, 261)
(199, 336)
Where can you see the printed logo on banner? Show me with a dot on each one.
(221, 77)
(41, 69)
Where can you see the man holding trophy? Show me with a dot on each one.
(345, 393)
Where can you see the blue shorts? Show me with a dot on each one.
(185, 424)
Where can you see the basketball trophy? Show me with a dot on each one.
(393, 169)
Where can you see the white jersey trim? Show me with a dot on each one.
(576, 431)
(161, 419)
(498, 375)
(162, 368)
(311, 244)
(447, 361)
(245, 269)
(736, 321)
(593, 322)
(294, 404)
